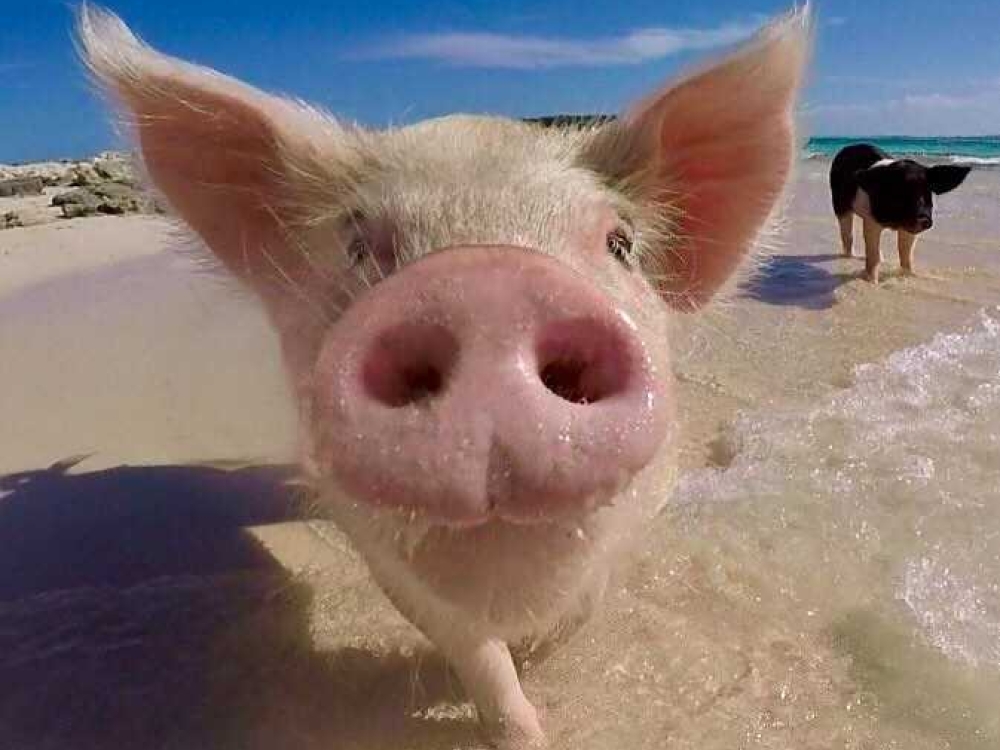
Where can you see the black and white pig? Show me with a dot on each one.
(886, 193)
(473, 312)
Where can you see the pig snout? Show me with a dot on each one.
(483, 382)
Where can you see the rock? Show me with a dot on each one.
(105, 168)
(74, 210)
(81, 175)
(79, 202)
(118, 198)
(21, 186)
(116, 169)
(105, 198)
(10, 219)
(72, 196)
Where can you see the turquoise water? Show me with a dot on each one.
(973, 149)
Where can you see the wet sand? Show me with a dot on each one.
(159, 587)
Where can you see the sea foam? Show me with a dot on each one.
(886, 491)
(978, 161)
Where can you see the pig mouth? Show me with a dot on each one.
(506, 504)
(502, 503)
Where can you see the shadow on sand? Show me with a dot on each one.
(136, 611)
(796, 280)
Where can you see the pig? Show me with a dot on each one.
(474, 315)
(886, 193)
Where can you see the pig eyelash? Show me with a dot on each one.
(621, 244)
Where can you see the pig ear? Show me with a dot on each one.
(946, 177)
(713, 153)
(214, 147)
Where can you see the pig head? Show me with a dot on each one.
(474, 315)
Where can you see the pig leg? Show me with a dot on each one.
(873, 256)
(846, 222)
(487, 672)
(906, 242)
(483, 664)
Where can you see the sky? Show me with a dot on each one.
(916, 67)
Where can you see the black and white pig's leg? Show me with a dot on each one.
(905, 243)
(846, 222)
(873, 255)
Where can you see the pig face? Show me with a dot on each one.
(499, 382)
(474, 313)
(901, 191)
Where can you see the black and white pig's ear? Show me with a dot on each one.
(216, 149)
(946, 177)
(713, 152)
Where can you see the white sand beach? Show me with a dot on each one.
(164, 582)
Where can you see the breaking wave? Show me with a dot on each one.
(891, 487)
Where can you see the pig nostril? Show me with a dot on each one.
(422, 381)
(565, 379)
(583, 361)
(409, 364)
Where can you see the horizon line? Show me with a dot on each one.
(118, 148)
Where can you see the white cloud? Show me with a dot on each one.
(894, 82)
(941, 101)
(924, 113)
(482, 49)
(810, 110)
(921, 101)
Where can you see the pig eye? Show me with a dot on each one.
(359, 247)
(358, 251)
(370, 247)
(620, 242)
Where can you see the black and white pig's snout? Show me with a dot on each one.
(487, 382)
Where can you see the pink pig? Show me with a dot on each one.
(474, 313)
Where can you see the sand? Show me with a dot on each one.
(160, 588)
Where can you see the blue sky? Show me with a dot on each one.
(902, 67)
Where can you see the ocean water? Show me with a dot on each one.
(979, 150)
(877, 513)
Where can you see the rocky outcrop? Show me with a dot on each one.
(20, 186)
(109, 166)
(103, 198)
(47, 191)
(105, 168)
